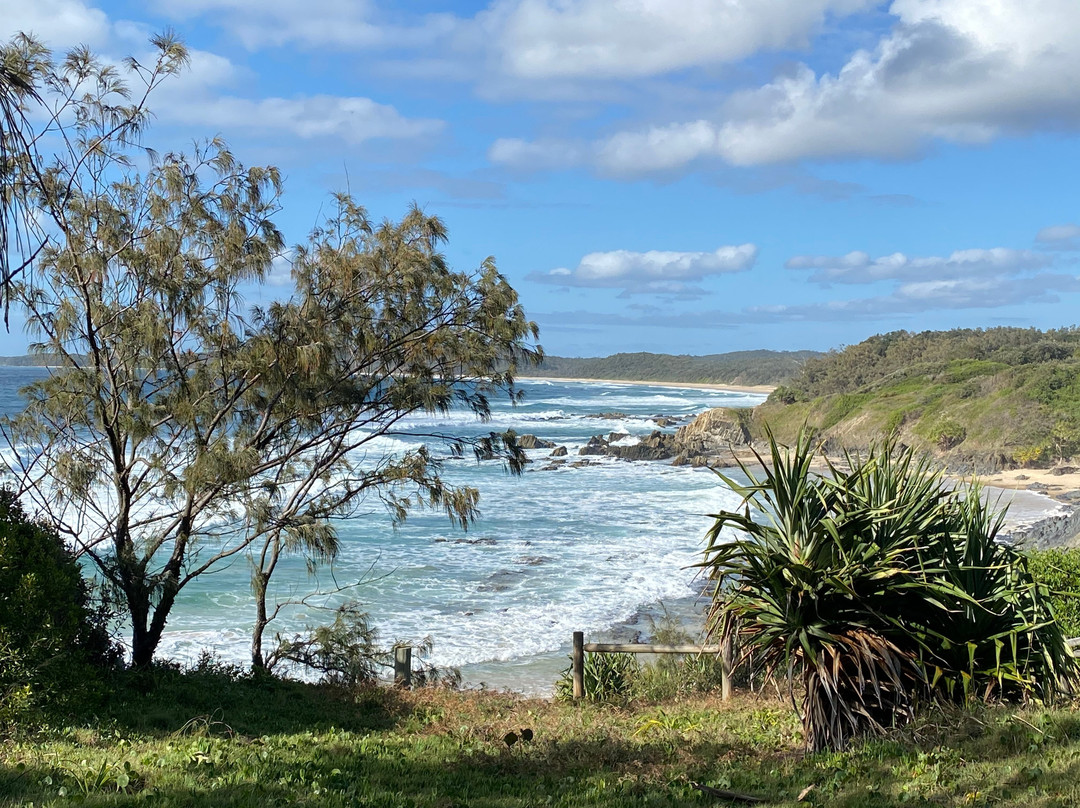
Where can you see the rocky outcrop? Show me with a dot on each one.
(533, 442)
(560, 451)
(712, 432)
(1055, 531)
(655, 446)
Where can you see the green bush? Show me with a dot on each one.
(1059, 571)
(879, 589)
(609, 678)
(949, 434)
(53, 643)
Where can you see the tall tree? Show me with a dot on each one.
(180, 429)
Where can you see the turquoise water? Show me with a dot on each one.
(594, 549)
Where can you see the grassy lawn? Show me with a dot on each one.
(209, 740)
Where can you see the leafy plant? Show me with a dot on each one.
(609, 678)
(877, 588)
(1059, 571)
(949, 434)
(178, 429)
(53, 640)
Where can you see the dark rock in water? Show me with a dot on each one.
(656, 446)
(609, 416)
(533, 442)
(532, 561)
(663, 421)
(560, 451)
(500, 581)
(1071, 496)
(1038, 487)
(597, 445)
(681, 460)
(617, 436)
(578, 464)
(485, 542)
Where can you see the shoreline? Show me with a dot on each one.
(733, 388)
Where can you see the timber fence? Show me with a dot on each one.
(403, 659)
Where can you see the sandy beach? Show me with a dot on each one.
(735, 388)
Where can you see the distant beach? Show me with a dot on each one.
(764, 389)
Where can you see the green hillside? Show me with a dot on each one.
(1005, 396)
(737, 367)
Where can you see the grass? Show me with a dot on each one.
(209, 739)
(1002, 410)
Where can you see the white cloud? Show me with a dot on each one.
(59, 23)
(1060, 237)
(539, 40)
(344, 24)
(859, 267)
(655, 271)
(916, 298)
(962, 71)
(195, 98)
(536, 155)
(351, 120)
(606, 39)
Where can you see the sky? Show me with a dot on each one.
(681, 176)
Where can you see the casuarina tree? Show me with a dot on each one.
(180, 429)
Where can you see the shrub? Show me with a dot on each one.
(949, 434)
(1059, 571)
(347, 653)
(52, 640)
(609, 678)
(878, 589)
(1035, 455)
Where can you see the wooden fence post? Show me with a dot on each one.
(577, 665)
(403, 666)
(727, 654)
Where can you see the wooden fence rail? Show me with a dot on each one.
(726, 652)
(577, 664)
(403, 659)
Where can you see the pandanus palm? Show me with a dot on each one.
(876, 587)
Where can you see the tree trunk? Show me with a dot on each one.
(142, 644)
(258, 585)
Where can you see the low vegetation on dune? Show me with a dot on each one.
(997, 396)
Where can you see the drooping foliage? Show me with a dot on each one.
(875, 587)
(181, 429)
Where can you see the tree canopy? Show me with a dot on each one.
(182, 428)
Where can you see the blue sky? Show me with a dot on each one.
(686, 176)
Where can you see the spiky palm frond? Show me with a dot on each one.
(877, 587)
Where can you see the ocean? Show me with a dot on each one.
(607, 549)
(604, 549)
